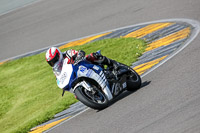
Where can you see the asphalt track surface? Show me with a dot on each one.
(169, 102)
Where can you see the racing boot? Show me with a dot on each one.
(100, 59)
(110, 62)
(117, 67)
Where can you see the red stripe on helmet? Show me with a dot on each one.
(50, 55)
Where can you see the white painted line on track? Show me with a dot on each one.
(66, 120)
(19, 7)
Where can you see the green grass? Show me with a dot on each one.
(29, 94)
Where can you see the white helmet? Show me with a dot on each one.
(53, 55)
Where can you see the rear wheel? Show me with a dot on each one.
(95, 99)
(133, 81)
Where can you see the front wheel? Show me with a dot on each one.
(95, 99)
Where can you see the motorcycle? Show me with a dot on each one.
(94, 85)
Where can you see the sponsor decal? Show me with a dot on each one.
(96, 67)
(63, 77)
(89, 73)
(124, 85)
(83, 69)
(58, 82)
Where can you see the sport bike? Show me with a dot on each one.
(94, 85)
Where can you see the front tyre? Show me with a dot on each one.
(95, 99)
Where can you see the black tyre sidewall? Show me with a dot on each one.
(85, 100)
(134, 85)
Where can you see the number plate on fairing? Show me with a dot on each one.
(124, 85)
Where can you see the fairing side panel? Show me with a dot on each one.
(95, 72)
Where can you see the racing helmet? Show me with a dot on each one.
(53, 55)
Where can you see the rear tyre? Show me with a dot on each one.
(96, 99)
(133, 81)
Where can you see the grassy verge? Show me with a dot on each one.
(29, 94)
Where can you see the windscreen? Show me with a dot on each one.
(58, 68)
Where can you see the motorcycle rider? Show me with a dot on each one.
(55, 57)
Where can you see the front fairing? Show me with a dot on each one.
(68, 74)
(65, 76)
(84, 69)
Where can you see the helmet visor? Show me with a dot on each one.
(54, 60)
